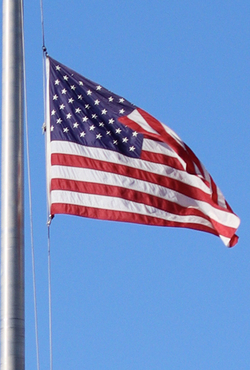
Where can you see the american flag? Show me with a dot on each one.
(108, 159)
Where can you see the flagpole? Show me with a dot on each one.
(12, 217)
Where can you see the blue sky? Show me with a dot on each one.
(132, 297)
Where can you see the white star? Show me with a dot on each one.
(94, 116)
(98, 136)
(79, 97)
(69, 115)
(125, 140)
(73, 87)
(108, 133)
(104, 111)
(87, 106)
(82, 134)
(62, 106)
(52, 128)
(115, 142)
(118, 131)
(53, 112)
(78, 110)
(71, 100)
(55, 97)
(66, 130)
(111, 121)
(65, 78)
(135, 133)
(75, 125)
(80, 83)
(111, 98)
(97, 102)
(101, 124)
(58, 68)
(121, 100)
(85, 119)
(131, 148)
(121, 111)
(89, 92)
(59, 120)
(64, 91)
(57, 82)
(98, 87)
(92, 127)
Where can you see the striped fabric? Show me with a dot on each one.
(91, 172)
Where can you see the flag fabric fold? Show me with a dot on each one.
(109, 159)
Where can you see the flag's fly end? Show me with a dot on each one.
(233, 241)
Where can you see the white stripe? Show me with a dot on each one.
(225, 240)
(122, 205)
(137, 117)
(153, 146)
(101, 154)
(197, 171)
(221, 199)
(206, 174)
(99, 177)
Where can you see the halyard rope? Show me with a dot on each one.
(49, 221)
(50, 306)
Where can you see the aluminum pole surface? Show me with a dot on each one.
(12, 234)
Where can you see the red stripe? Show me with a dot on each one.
(228, 207)
(222, 229)
(84, 162)
(161, 159)
(214, 191)
(105, 214)
(233, 241)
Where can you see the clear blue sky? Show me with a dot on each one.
(131, 297)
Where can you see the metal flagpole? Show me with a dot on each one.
(12, 234)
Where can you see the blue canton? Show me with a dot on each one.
(88, 114)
